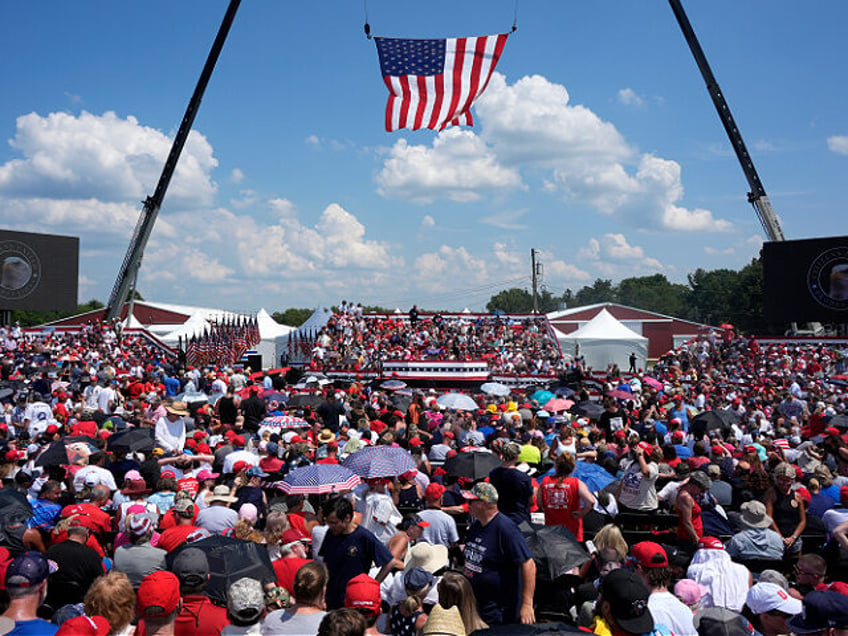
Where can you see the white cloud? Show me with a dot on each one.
(531, 126)
(629, 97)
(716, 251)
(440, 270)
(236, 176)
(509, 220)
(506, 256)
(612, 254)
(838, 144)
(427, 223)
(312, 140)
(458, 166)
(102, 157)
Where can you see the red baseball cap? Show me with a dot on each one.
(158, 594)
(448, 435)
(363, 593)
(710, 543)
(85, 626)
(240, 466)
(434, 491)
(52, 429)
(415, 442)
(649, 554)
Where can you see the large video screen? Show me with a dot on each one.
(38, 272)
(806, 280)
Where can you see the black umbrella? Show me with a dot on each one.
(588, 408)
(305, 399)
(14, 505)
(474, 466)
(400, 402)
(839, 421)
(56, 454)
(131, 440)
(554, 549)
(718, 419)
(563, 391)
(229, 560)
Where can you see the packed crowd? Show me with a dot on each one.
(707, 497)
(351, 340)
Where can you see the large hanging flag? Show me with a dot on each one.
(432, 83)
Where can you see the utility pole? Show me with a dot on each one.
(535, 282)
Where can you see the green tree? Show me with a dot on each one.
(293, 316)
(653, 293)
(711, 297)
(33, 318)
(511, 301)
(601, 291)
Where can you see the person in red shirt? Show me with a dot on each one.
(565, 499)
(292, 558)
(332, 454)
(183, 515)
(198, 615)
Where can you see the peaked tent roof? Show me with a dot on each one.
(605, 326)
(270, 328)
(317, 320)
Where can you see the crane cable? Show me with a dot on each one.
(367, 25)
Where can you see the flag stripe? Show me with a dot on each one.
(421, 96)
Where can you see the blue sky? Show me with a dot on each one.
(596, 143)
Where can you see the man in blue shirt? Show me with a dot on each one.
(26, 584)
(348, 550)
(498, 562)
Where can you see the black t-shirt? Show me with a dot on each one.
(79, 566)
(253, 409)
(494, 554)
(347, 556)
(330, 412)
(227, 409)
(514, 491)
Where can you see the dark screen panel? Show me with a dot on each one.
(38, 272)
(806, 280)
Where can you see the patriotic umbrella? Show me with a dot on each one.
(283, 421)
(393, 385)
(495, 388)
(620, 394)
(373, 462)
(457, 401)
(318, 479)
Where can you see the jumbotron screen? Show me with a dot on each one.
(38, 272)
(806, 280)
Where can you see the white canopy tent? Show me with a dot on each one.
(312, 325)
(604, 340)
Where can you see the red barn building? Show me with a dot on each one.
(663, 332)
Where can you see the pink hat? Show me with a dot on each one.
(689, 591)
(248, 511)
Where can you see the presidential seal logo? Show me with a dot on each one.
(827, 278)
(20, 270)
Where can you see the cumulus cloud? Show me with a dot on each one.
(440, 270)
(458, 166)
(427, 223)
(102, 157)
(629, 97)
(838, 144)
(612, 254)
(531, 126)
(236, 176)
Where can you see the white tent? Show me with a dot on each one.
(269, 331)
(312, 325)
(604, 340)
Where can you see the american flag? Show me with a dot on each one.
(432, 83)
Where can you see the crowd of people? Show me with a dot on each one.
(356, 341)
(709, 496)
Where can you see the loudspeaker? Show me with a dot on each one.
(254, 361)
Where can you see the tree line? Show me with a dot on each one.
(710, 296)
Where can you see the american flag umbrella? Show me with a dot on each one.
(318, 479)
(283, 421)
(373, 462)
